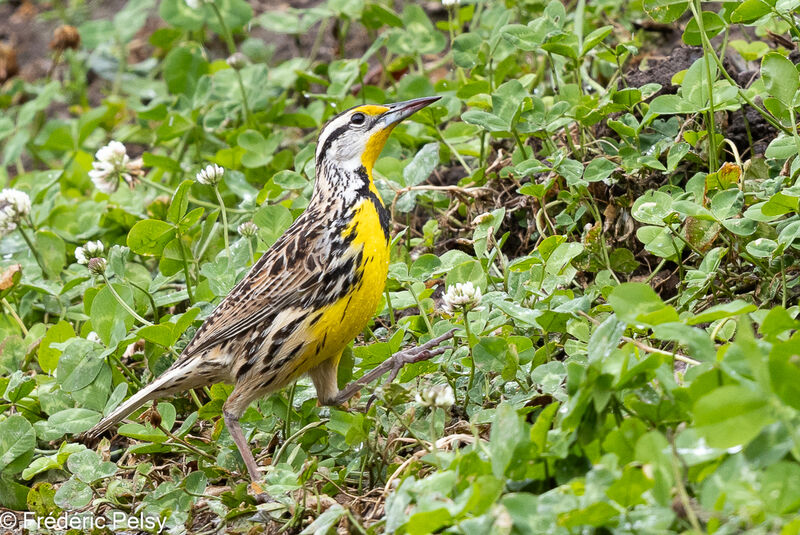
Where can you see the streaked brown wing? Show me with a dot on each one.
(279, 280)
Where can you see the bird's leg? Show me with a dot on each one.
(324, 377)
(394, 363)
(232, 423)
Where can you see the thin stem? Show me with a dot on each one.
(421, 310)
(224, 223)
(185, 444)
(646, 348)
(389, 306)
(292, 438)
(712, 138)
(225, 31)
(126, 371)
(247, 115)
(186, 273)
(767, 117)
(452, 149)
(287, 423)
(19, 320)
(122, 302)
(149, 297)
(193, 200)
(196, 399)
(471, 357)
(783, 283)
(683, 495)
(33, 249)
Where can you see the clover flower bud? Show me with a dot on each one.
(237, 61)
(248, 229)
(88, 251)
(97, 266)
(210, 175)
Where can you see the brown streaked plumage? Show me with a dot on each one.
(308, 296)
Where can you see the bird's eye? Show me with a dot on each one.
(358, 118)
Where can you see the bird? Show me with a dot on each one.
(310, 293)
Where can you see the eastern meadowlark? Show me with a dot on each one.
(308, 296)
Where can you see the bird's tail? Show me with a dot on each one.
(181, 376)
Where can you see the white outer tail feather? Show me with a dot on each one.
(171, 381)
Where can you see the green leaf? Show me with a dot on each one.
(784, 373)
(79, 365)
(712, 24)
(259, 151)
(465, 50)
(19, 386)
(73, 494)
(749, 11)
(88, 466)
(780, 77)
(731, 416)
(652, 207)
(110, 320)
(48, 356)
(183, 67)
(52, 250)
(272, 221)
(599, 169)
(147, 432)
(665, 11)
(17, 438)
(523, 37)
(629, 489)
(724, 310)
(158, 334)
(149, 236)
(636, 302)
(486, 120)
(422, 165)
(605, 338)
(507, 432)
(180, 202)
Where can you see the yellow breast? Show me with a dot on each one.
(342, 320)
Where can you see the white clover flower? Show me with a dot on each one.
(88, 251)
(14, 205)
(462, 296)
(112, 164)
(210, 175)
(97, 266)
(194, 4)
(440, 396)
(94, 337)
(248, 229)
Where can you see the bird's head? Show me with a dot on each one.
(356, 137)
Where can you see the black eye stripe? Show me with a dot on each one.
(331, 138)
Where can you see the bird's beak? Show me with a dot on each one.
(402, 110)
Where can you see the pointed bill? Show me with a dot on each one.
(401, 110)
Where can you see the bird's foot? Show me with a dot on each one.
(393, 365)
